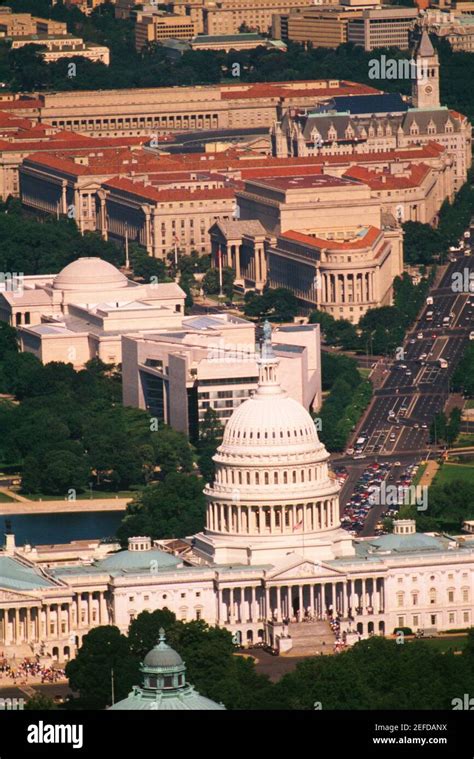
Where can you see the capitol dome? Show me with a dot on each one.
(92, 274)
(272, 482)
(267, 421)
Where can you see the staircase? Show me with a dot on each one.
(311, 638)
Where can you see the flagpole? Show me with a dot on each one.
(221, 294)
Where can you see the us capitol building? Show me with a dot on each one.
(272, 548)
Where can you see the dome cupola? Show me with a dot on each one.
(164, 685)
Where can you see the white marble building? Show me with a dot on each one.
(272, 547)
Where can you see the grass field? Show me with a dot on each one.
(453, 643)
(82, 496)
(5, 498)
(364, 372)
(470, 403)
(419, 474)
(450, 472)
(464, 439)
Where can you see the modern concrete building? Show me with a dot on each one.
(25, 25)
(385, 27)
(211, 362)
(82, 312)
(152, 25)
(271, 548)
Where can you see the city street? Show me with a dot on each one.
(415, 387)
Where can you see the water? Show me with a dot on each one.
(39, 529)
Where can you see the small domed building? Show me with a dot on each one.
(164, 686)
(82, 312)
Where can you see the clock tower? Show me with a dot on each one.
(425, 87)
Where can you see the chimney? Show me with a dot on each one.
(10, 546)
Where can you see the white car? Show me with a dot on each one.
(420, 335)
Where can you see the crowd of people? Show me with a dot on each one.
(28, 670)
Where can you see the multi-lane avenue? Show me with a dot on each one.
(416, 382)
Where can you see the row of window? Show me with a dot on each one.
(433, 597)
(416, 619)
(231, 477)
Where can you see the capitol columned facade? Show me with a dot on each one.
(272, 550)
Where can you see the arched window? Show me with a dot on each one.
(266, 478)
(275, 478)
(294, 476)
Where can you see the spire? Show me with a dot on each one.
(267, 365)
(425, 49)
(162, 636)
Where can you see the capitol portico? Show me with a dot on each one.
(272, 550)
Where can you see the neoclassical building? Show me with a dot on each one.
(83, 311)
(272, 548)
(374, 123)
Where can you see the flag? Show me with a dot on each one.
(298, 526)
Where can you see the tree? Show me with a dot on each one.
(105, 654)
(8, 340)
(210, 436)
(40, 702)
(172, 451)
(210, 282)
(322, 318)
(279, 305)
(144, 630)
(166, 509)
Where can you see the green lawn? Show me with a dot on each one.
(5, 498)
(419, 474)
(453, 643)
(450, 472)
(82, 496)
(364, 373)
(470, 403)
(464, 440)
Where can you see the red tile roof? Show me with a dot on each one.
(386, 181)
(297, 89)
(162, 196)
(358, 243)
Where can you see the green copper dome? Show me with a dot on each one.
(164, 685)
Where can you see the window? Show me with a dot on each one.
(401, 621)
(198, 594)
(432, 595)
(465, 595)
(400, 599)
(452, 618)
(450, 596)
(416, 620)
(131, 599)
(414, 599)
(183, 595)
